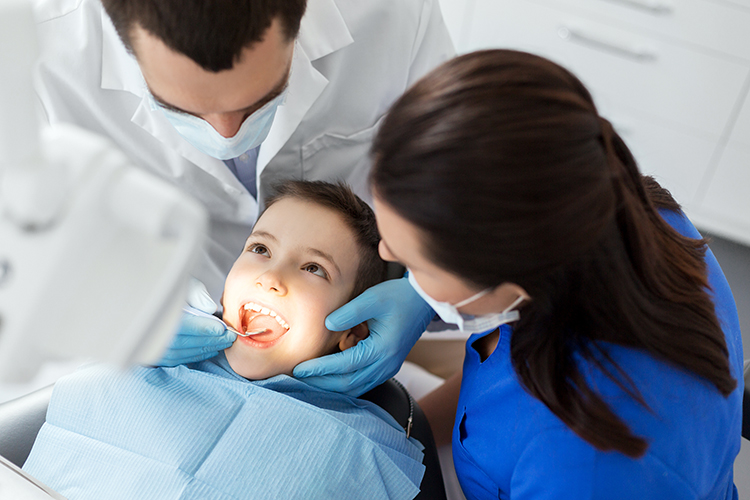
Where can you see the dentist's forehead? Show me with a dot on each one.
(179, 82)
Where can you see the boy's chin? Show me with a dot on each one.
(254, 374)
(250, 370)
(250, 374)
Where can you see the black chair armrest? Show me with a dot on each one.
(396, 400)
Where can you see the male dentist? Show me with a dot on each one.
(223, 98)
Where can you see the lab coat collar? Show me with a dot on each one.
(120, 70)
(305, 85)
(323, 31)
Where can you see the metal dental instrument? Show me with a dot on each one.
(203, 314)
(247, 334)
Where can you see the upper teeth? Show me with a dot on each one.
(252, 306)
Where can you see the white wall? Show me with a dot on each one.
(672, 76)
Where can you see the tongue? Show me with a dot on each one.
(273, 329)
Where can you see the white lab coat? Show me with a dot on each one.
(352, 59)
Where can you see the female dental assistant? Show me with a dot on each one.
(609, 359)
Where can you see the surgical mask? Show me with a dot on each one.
(206, 139)
(467, 323)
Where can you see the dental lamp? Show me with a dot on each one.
(94, 253)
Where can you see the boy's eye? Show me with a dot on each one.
(259, 249)
(315, 269)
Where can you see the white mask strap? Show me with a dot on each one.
(473, 298)
(514, 304)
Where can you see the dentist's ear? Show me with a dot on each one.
(353, 336)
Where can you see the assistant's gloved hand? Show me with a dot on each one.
(396, 316)
(198, 337)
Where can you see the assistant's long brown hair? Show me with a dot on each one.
(502, 161)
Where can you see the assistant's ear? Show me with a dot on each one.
(353, 336)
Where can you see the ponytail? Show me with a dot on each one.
(672, 266)
(642, 268)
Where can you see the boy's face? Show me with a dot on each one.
(299, 264)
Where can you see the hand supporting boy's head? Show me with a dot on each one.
(313, 249)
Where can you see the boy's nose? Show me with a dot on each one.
(271, 281)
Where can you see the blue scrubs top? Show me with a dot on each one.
(507, 444)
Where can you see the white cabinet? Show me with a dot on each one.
(650, 76)
(741, 130)
(727, 196)
(671, 75)
(702, 25)
(725, 208)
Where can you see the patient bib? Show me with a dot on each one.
(203, 432)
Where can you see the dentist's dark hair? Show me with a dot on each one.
(503, 163)
(212, 33)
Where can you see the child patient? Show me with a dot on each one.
(238, 425)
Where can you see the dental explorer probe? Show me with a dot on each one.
(203, 314)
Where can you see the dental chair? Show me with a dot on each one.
(396, 400)
(21, 419)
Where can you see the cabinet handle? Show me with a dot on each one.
(652, 6)
(578, 36)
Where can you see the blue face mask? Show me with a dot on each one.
(203, 137)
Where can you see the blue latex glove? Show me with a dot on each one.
(200, 335)
(396, 316)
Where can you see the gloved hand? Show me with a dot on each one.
(396, 316)
(198, 337)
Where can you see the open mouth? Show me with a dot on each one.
(262, 323)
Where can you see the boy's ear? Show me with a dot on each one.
(353, 336)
